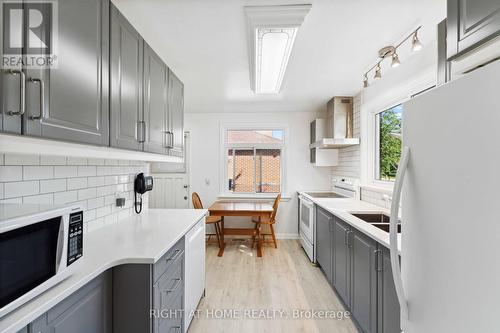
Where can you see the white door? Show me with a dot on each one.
(171, 182)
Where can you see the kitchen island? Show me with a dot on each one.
(135, 241)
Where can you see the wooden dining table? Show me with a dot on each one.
(240, 208)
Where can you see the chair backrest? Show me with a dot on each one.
(196, 201)
(275, 208)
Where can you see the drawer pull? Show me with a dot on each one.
(175, 256)
(175, 286)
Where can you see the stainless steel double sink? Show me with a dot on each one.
(378, 220)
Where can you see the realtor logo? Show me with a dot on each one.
(29, 34)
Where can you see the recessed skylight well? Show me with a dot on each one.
(271, 35)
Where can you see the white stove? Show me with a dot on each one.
(343, 188)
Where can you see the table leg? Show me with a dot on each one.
(222, 240)
(259, 241)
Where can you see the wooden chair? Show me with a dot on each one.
(272, 220)
(209, 220)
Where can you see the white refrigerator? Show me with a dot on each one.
(449, 181)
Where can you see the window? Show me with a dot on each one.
(253, 161)
(388, 143)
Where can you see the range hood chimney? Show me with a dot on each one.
(338, 132)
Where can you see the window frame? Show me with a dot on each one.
(225, 146)
(376, 142)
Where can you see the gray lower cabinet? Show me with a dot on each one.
(361, 273)
(86, 310)
(363, 281)
(471, 23)
(389, 320)
(150, 298)
(175, 115)
(127, 128)
(324, 242)
(24, 330)
(341, 260)
(155, 102)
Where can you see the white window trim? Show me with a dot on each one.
(369, 125)
(224, 193)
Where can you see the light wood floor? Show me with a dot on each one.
(283, 279)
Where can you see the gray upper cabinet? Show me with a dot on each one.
(324, 242)
(363, 281)
(470, 23)
(341, 260)
(127, 128)
(176, 115)
(389, 320)
(12, 103)
(74, 105)
(155, 101)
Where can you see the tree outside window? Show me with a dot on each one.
(388, 143)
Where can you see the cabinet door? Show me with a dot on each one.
(75, 104)
(323, 242)
(87, 310)
(388, 304)
(471, 22)
(127, 126)
(176, 115)
(363, 281)
(10, 90)
(341, 260)
(155, 101)
(24, 330)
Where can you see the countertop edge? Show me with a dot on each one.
(76, 285)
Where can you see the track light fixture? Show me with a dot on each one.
(415, 43)
(391, 51)
(395, 60)
(378, 72)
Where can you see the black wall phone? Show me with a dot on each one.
(142, 184)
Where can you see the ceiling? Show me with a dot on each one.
(204, 42)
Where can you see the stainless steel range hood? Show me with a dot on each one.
(338, 127)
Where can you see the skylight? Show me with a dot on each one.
(272, 32)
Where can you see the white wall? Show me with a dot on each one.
(300, 175)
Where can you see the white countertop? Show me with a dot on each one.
(138, 239)
(343, 209)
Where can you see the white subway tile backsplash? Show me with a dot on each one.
(19, 159)
(86, 193)
(21, 189)
(38, 172)
(95, 203)
(39, 199)
(86, 171)
(96, 181)
(52, 160)
(77, 183)
(65, 197)
(11, 173)
(65, 171)
(12, 201)
(93, 184)
(52, 185)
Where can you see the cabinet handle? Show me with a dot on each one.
(171, 146)
(175, 286)
(349, 232)
(177, 329)
(345, 236)
(167, 139)
(175, 256)
(141, 131)
(378, 267)
(22, 99)
(41, 85)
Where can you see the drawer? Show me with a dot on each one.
(162, 265)
(169, 286)
(171, 306)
